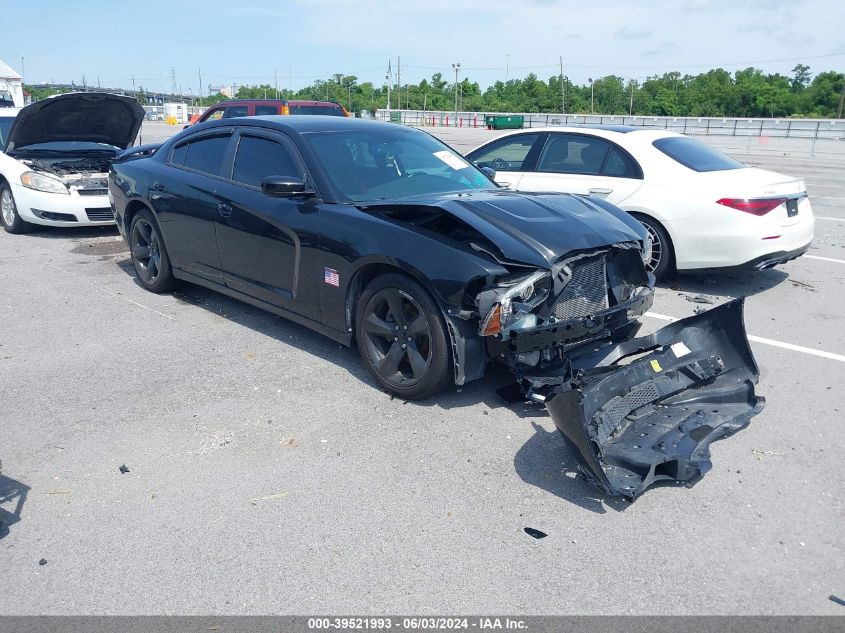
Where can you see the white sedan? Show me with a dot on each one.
(702, 209)
(55, 159)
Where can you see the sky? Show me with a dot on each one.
(295, 42)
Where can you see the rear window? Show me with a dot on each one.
(331, 110)
(695, 155)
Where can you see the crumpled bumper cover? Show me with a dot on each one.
(653, 419)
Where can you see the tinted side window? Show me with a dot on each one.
(619, 165)
(573, 154)
(205, 155)
(509, 154)
(695, 155)
(213, 115)
(264, 109)
(258, 158)
(235, 111)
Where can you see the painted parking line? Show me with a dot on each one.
(825, 259)
(769, 341)
(826, 198)
(821, 217)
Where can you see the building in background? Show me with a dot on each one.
(11, 87)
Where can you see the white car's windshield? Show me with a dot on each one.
(374, 165)
(5, 126)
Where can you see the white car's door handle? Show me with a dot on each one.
(601, 190)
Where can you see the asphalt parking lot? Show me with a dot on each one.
(267, 474)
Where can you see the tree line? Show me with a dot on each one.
(715, 93)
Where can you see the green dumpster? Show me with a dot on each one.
(494, 122)
(396, 117)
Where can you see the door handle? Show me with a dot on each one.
(159, 186)
(601, 190)
(224, 210)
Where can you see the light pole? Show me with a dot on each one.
(592, 97)
(387, 81)
(457, 67)
(631, 107)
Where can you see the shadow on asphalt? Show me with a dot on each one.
(734, 284)
(12, 498)
(72, 233)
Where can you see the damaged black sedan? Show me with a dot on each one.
(383, 236)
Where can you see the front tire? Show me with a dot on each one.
(662, 261)
(9, 217)
(402, 337)
(149, 255)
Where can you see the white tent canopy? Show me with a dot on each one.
(11, 87)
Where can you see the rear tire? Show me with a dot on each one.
(402, 337)
(149, 255)
(9, 217)
(662, 262)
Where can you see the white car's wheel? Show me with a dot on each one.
(662, 260)
(9, 217)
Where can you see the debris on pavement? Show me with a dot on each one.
(535, 533)
(836, 599)
(761, 454)
(278, 495)
(123, 469)
(699, 299)
(43, 561)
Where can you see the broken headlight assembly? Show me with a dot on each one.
(645, 248)
(39, 182)
(513, 303)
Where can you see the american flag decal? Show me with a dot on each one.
(331, 277)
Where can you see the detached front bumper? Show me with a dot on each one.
(633, 425)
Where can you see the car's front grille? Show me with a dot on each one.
(92, 192)
(103, 214)
(586, 292)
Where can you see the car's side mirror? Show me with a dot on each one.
(489, 172)
(285, 187)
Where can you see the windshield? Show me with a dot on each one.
(5, 126)
(695, 155)
(392, 163)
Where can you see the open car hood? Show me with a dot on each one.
(633, 425)
(92, 117)
(532, 228)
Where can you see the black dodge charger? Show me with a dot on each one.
(384, 236)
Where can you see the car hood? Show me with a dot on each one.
(535, 228)
(93, 117)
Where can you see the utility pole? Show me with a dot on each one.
(841, 103)
(507, 66)
(387, 81)
(592, 97)
(399, 82)
(457, 67)
(173, 77)
(98, 82)
(631, 108)
(562, 89)
(290, 80)
(276, 80)
(134, 96)
(23, 70)
(202, 90)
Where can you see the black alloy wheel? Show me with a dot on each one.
(149, 256)
(402, 337)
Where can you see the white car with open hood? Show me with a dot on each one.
(55, 158)
(702, 209)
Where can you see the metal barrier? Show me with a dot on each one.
(806, 136)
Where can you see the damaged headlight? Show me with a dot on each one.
(40, 182)
(514, 302)
(645, 249)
